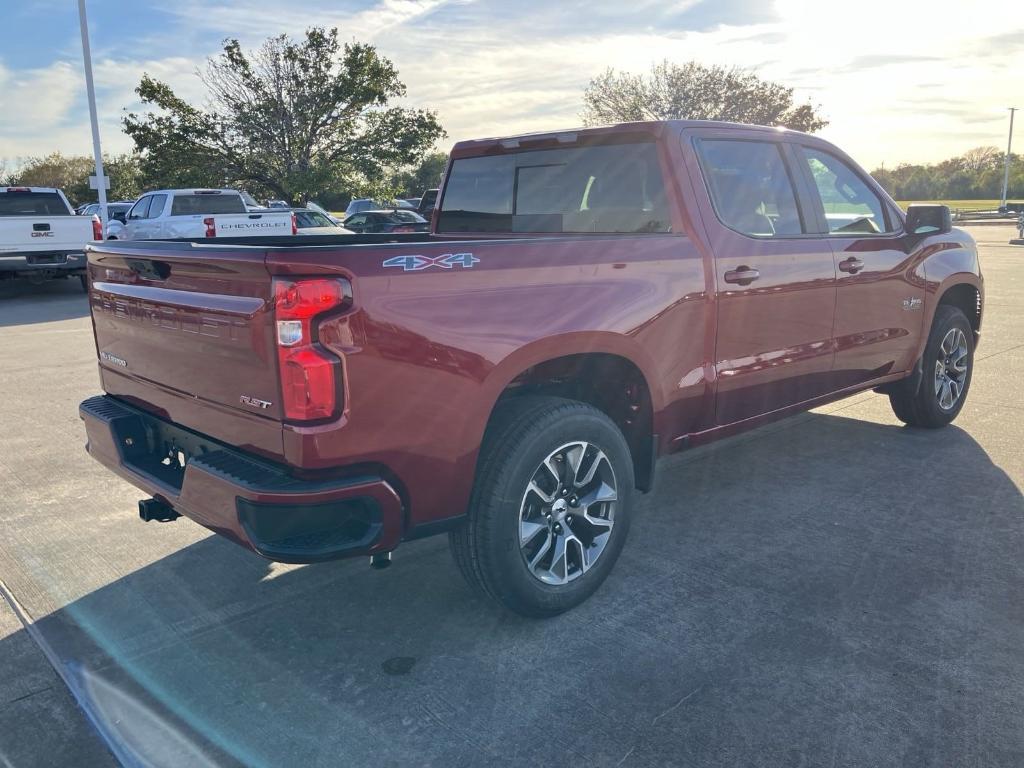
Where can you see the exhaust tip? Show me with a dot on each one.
(154, 509)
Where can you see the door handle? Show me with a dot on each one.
(743, 275)
(853, 265)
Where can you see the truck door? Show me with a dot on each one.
(775, 282)
(879, 299)
(156, 226)
(135, 221)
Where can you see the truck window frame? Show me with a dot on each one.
(894, 222)
(802, 196)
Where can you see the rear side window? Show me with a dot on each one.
(750, 187)
(608, 189)
(32, 204)
(190, 205)
(850, 206)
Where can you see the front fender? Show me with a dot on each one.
(947, 262)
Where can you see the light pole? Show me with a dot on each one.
(1006, 164)
(101, 181)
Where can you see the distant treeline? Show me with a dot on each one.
(975, 175)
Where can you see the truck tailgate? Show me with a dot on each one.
(191, 321)
(25, 234)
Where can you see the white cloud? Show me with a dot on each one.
(898, 81)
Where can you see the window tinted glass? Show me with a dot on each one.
(156, 206)
(189, 205)
(32, 204)
(614, 188)
(850, 204)
(750, 187)
(408, 217)
(140, 209)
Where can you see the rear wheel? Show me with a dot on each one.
(948, 363)
(550, 507)
(85, 282)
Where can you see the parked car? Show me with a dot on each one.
(426, 204)
(170, 213)
(41, 237)
(116, 211)
(278, 204)
(588, 302)
(368, 204)
(310, 222)
(413, 201)
(386, 221)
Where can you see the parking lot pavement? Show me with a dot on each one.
(834, 589)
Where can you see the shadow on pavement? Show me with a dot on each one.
(838, 591)
(22, 303)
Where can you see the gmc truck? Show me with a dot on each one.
(585, 302)
(40, 235)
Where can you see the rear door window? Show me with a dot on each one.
(750, 187)
(32, 204)
(602, 189)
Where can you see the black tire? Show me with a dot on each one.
(922, 407)
(85, 282)
(523, 433)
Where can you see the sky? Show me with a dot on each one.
(900, 81)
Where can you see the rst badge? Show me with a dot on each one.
(444, 261)
(255, 402)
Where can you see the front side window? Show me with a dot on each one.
(750, 187)
(850, 205)
(141, 208)
(614, 188)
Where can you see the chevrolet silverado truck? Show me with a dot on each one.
(585, 302)
(40, 235)
(176, 213)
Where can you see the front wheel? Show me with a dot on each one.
(948, 363)
(550, 508)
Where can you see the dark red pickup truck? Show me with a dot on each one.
(586, 302)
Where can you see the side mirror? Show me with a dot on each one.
(928, 220)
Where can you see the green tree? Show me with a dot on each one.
(693, 91)
(411, 182)
(71, 174)
(292, 119)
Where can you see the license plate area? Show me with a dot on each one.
(159, 451)
(43, 259)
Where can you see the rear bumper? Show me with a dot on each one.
(254, 503)
(45, 261)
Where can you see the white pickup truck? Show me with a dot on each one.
(172, 213)
(40, 235)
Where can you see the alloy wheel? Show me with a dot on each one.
(567, 513)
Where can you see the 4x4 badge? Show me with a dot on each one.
(913, 303)
(444, 261)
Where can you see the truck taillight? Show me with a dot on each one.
(97, 228)
(295, 225)
(211, 226)
(309, 374)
